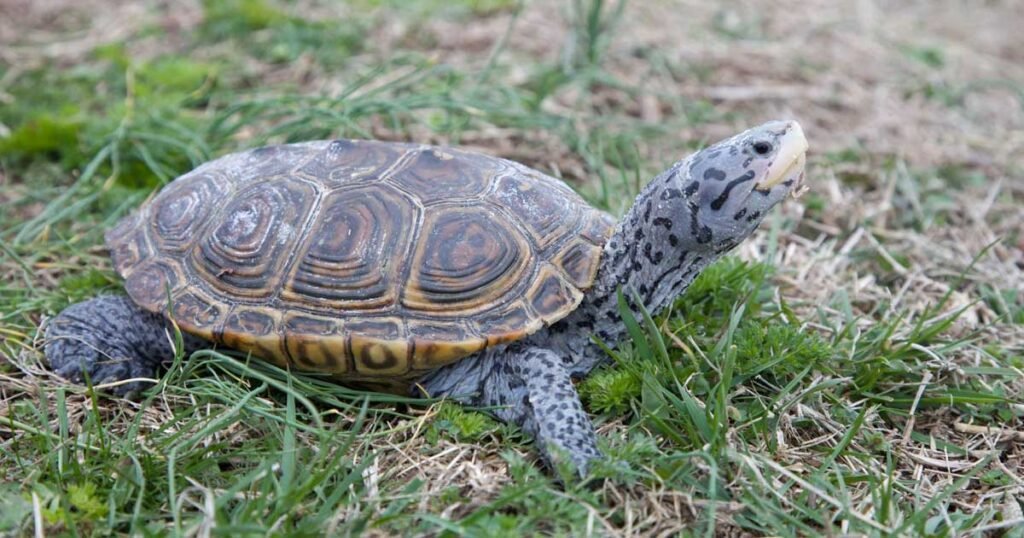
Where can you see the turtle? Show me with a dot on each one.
(425, 270)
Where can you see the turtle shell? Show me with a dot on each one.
(369, 261)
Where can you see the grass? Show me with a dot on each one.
(854, 371)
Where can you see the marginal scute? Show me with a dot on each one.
(439, 343)
(507, 324)
(550, 295)
(151, 283)
(579, 260)
(197, 314)
(254, 330)
(598, 227)
(315, 343)
(378, 347)
(371, 262)
(128, 246)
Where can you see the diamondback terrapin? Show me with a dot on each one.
(418, 269)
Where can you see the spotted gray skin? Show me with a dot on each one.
(111, 339)
(687, 217)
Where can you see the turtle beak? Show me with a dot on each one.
(789, 160)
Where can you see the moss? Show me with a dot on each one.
(271, 34)
(238, 16)
(46, 134)
(610, 391)
(174, 74)
(460, 424)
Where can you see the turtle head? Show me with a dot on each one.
(730, 186)
(692, 213)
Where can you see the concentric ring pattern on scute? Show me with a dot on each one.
(373, 262)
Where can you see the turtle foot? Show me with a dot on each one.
(109, 339)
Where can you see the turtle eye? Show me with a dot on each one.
(762, 147)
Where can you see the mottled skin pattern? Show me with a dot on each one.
(111, 339)
(683, 220)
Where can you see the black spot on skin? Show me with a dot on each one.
(704, 235)
(673, 240)
(788, 183)
(654, 257)
(669, 194)
(662, 221)
(746, 163)
(692, 188)
(720, 201)
(680, 278)
(637, 265)
(638, 234)
(739, 214)
(643, 289)
(753, 216)
(715, 174)
(694, 209)
(647, 211)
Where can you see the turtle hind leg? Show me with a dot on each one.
(109, 338)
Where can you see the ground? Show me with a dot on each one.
(856, 368)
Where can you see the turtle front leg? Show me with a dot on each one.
(526, 386)
(111, 339)
(551, 409)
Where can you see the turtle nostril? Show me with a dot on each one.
(762, 148)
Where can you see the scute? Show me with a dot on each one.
(346, 262)
(243, 254)
(466, 261)
(372, 262)
(543, 209)
(434, 175)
